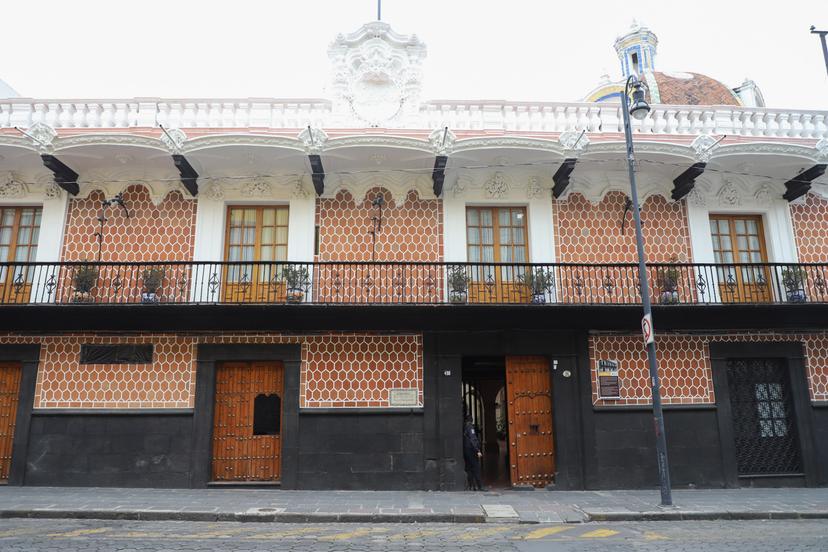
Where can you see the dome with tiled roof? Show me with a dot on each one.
(637, 50)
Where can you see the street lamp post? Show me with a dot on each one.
(639, 110)
(822, 35)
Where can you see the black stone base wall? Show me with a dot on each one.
(377, 451)
(820, 427)
(623, 456)
(109, 450)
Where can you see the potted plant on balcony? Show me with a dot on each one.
(667, 279)
(458, 284)
(84, 279)
(794, 278)
(539, 281)
(296, 279)
(152, 278)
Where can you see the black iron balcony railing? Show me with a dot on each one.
(415, 283)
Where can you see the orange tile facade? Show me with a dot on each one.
(810, 222)
(684, 365)
(412, 231)
(162, 233)
(338, 370)
(587, 233)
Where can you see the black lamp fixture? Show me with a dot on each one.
(376, 223)
(639, 108)
(102, 218)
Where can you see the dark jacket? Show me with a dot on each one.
(471, 442)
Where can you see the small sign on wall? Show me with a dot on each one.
(403, 397)
(609, 386)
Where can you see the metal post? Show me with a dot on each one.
(822, 35)
(658, 413)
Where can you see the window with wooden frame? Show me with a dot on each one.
(497, 235)
(740, 240)
(19, 234)
(256, 238)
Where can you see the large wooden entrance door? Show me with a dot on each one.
(247, 427)
(10, 373)
(531, 443)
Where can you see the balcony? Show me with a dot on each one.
(407, 283)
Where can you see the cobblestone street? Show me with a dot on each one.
(19, 535)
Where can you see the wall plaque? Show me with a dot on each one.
(403, 397)
(609, 386)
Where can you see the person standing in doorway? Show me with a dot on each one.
(472, 455)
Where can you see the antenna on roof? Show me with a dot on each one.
(379, 10)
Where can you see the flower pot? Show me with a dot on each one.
(669, 297)
(538, 299)
(82, 297)
(796, 296)
(295, 295)
(458, 297)
(149, 297)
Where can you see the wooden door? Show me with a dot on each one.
(531, 442)
(19, 233)
(247, 426)
(10, 374)
(255, 235)
(497, 235)
(739, 239)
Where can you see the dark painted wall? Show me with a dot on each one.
(360, 451)
(109, 450)
(820, 432)
(622, 449)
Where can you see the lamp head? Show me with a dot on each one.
(639, 108)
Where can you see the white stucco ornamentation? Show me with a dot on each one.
(43, 135)
(52, 192)
(728, 194)
(703, 147)
(574, 142)
(765, 194)
(533, 188)
(442, 141)
(377, 73)
(214, 192)
(175, 140)
(496, 187)
(822, 149)
(696, 198)
(314, 139)
(257, 188)
(11, 188)
(299, 191)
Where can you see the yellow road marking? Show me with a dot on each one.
(414, 535)
(484, 533)
(353, 534)
(217, 533)
(545, 532)
(283, 534)
(140, 534)
(80, 532)
(650, 536)
(17, 532)
(599, 534)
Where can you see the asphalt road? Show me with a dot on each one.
(18, 535)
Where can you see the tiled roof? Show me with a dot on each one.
(693, 89)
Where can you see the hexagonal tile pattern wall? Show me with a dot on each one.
(810, 222)
(587, 233)
(358, 371)
(684, 365)
(151, 233)
(412, 231)
(337, 370)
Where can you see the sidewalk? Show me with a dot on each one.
(407, 506)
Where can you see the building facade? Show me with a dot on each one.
(315, 293)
